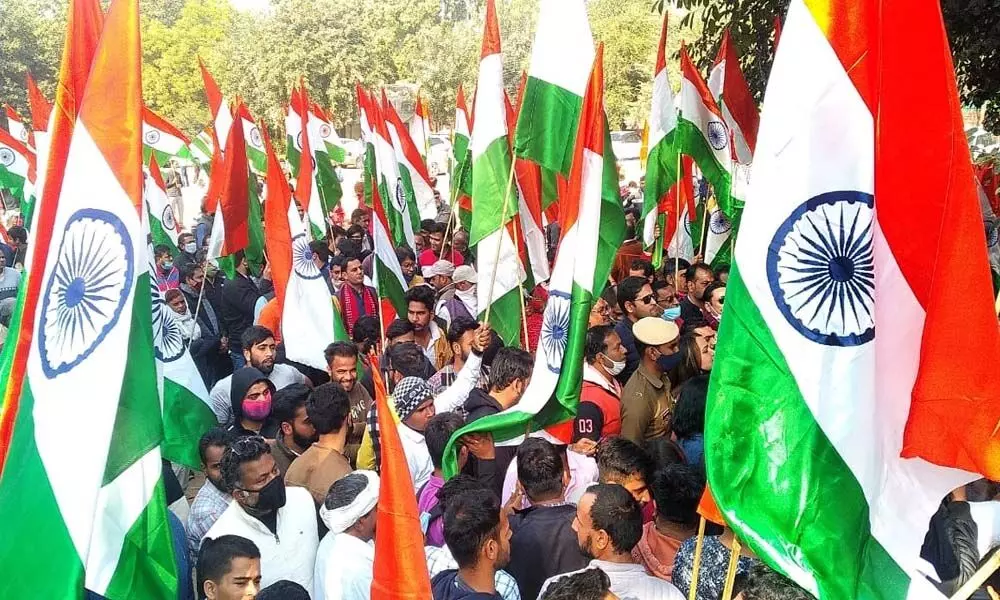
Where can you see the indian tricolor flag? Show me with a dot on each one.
(163, 227)
(389, 179)
(462, 167)
(91, 515)
(845, 401)
(732, 94)
(557, 78)
(41, 108)
(702, 132)
(309, 320)
(527, 226)
(678, 208)
(222, 116)
(303, 140)
(420, 125)
(327, 151)
(593, 228)
(663, 160)
(256, 155)
(328, 133)
(16, 172)
(493, 195)
(201, 147)
(162, 140)
(230, 230)
(369, 180)
(15, 126)
(412, 170)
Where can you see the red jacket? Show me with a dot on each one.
(599, 414)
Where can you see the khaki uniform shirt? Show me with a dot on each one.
(647, 406)
(316, 470)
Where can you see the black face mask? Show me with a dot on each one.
(630, 232)
(271, 497)
(669, 361)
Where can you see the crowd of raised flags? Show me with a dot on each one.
(827, 447)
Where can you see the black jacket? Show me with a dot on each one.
(480, 404)
(242, 381)
(239, 297)
(446, 586)
(205, 351)
(543, 544)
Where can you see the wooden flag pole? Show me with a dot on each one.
(734, 561)
(496, 261)
(677, 228)
(517, 250)
(978, 578)
(696, 564)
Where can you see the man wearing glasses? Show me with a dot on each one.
(637, 301)
(280, 522)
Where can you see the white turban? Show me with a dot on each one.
(339, 520)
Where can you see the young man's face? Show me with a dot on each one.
(418, 315)
(696, 287)
(213, 465)
(408, 266)
(196, 279)
(261, 355)
(343, 370)
(241, 582)
(417, 421)
(437, 238)
(354, 276)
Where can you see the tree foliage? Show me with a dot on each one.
(973, 30)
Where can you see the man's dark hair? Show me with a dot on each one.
(357, 213)
(18, 234)
(539, 469)
(715, 285)
(643, 265)
(596, 342)
(721, 270)
(610, 295)
(628, 290)
(161, 250)
(471, 520)
(458, 485)
(618, 457)
(689, 414)
(437, 433)
(342, 349)
(680, 265)
(287, 401)
(616, 512)
(433, 227)
(409, 360)
(422, 294)
(403, 253)
(240, 451)
(337, 231)
(355, 230)
(510, 365)
(216, 437)
(254, 335)
(365, 330)
(398, 328)
(663, 451)
(762, 583)
(459, 326)
(215, 557)
(427, 224)
(187, 270)
(659, 284)
(692, 271)
(328, 407)
(320, 248)
(588, 584)
(283, 590)
(677, 489)
(345, 490)
(339, 260)
(238, 257)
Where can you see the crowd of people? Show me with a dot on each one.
(606, 508)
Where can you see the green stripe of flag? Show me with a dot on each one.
(546, 125)
(776, 475)
(185, 417)
(505, 317)
(691, 141)
(661, 172)
(492, 172)
(146, 566)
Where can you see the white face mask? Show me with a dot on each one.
(616, 366)
(190, 248)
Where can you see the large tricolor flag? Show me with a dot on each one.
(93, 518)
(202, 146)
(493, 195)
(702, 132)
(593, 228)
(730, 90)
(369, 177)
(679, 208)
(412, 170)
(162, 140)
(663, 161)
(230, 230)
(327, 151)
(309, 321)
(328, 133)
(222, 115)
(389, 179)
(557, 78)
(844, 406)
(256, 154)
(527, 226)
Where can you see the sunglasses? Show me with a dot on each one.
(648, 299)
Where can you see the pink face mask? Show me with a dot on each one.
(259, 409)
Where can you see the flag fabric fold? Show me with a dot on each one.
(663, 160)
(162, 140)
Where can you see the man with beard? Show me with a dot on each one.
(346, 558)
(461, 337)
(608, 525)
(294, 430)
(696, 279)
(324, 461)
(637, 301)
(282, 523)
(342, 365)
(212, 498)
(355, 299)
(478, 535)
(427, 333)
(259, 350)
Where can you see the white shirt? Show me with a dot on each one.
(430, 351)
(291, 553)
(458, 392)
(281, 376)
(344, 567)
(418, 458)
(628, 582)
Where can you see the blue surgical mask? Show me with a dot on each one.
(667, 362)
(168, 265)
(672, 314)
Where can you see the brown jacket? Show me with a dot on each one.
(316, 470)
(647, 406)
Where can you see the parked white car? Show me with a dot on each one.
(439, 155)
(626, 144)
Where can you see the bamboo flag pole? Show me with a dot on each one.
(696, 564)
(734, 561)
(978, 578)
(677, 229)
(452, 211)
(518, 232)
(496, 261)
